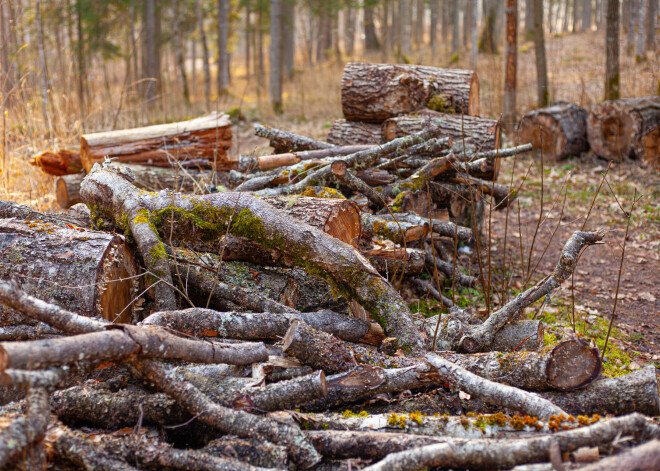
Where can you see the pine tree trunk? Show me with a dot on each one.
(456, 32)
(640, 49)
(445, 12)
(586, 15)
(543, 93)
(576, 15)
(42, 65)
(178, 51)
(386, 32)
(653, 16)
(275, 84)
(405, 19)
(529, 17)
(511, 66)
(151, 61)
(7, 81)
(371, 42)
(223, 54)
(349, 31)
(205, 50)
(632, 25)
(566, 19)
(612, 73)
(419, 23)
(288, 37)
(625, 16)
(433, 32)
(474, 46)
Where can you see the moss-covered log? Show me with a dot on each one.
(150, 217)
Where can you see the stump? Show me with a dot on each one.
(376, 92)
(348, 133)
(628, 128)
(86, 272)
(202, 142)
(559, 130)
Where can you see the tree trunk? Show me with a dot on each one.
(376, 92)
(88, 272)
(612, 73)
(205, 56)
(625, 128)
(474, 45)
(387, 34)
(178, 50)
(288, 37)
(511, 66)
(632, 25)
(650, 34)
(559, 131)
(586, 15)
(576, 15)
(275, 83)
(433, 32)
(202, 141)
(529, 18)
(43, 75)
(419, 23)
(7, 73)
(151, 59)
(480, 133)
(371, 41)
(542, 90)
(446, 9)
(223, 43)
(348, 133)
(467, 14)
(640, 49)
(455, 36)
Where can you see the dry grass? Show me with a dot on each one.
(312, 101)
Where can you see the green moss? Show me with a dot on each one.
(157, 252)
(438, 103)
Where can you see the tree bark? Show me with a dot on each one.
(371, 41)
(625, 128)
(640, 48)
(337, 262)
(455, 34)
(586, 15)
(275, 82)
(376, 92)
(348, 133)
(203, 140)
(405, 34)
(542, 90)
(511, 66)
(559, 131)
(223, 43)
(89, 272)
(205, 56)
(288, 37)
(151, 54)
(283, 141)
(612, 73)
(480, 133)
(251, 326)
(652, 20)
(24, 431)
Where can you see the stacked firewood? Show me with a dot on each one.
(256, 328)
(615, 130)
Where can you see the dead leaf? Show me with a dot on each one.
(646, 296)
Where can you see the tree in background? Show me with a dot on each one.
(275, 84)
(223, 43)
(511, 66)
(543, 94)
(612, 76)
(640, 48)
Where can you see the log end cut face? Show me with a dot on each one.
(573, 364)
(648, 149)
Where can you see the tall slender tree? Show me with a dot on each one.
(612, 74)
(405, 19)
(178, 50)
(371, 42)
(6, 84)
(543, 93)
(653, 17)
(529, 17)
(275, 83)
(205, 51)
(632, 25)
(288, 37)
(420, 11)
(640, 49)
(586, 15)
(576, 16)
(349, 30)
(387, 31)
(433, 31)
(474, 46)
(151, 53)
(223, 43)
(456, 31)
(511, 66)
(43, 73)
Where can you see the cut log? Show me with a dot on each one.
(62, 162)
(9, 209)
(627, 128)
(396, 231)
(559, 131)
(347, 133)
(251, 326)
(89, 272)
(634, 392)
(252, 451)
(644, 457)
(283, 141)
(482, 134)
(267, 162)
(375, 92)
(339, 218)
(202, 140)
(391, 261)
(67, 187)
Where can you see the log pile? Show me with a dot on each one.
(196, 328)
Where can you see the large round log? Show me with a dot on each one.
(87, 272)
(559, 130)
(375, 92)
(620, 129)
(347, 133)
(204, 141)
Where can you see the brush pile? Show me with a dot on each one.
(267, 326)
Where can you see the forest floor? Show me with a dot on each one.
(312, 102)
